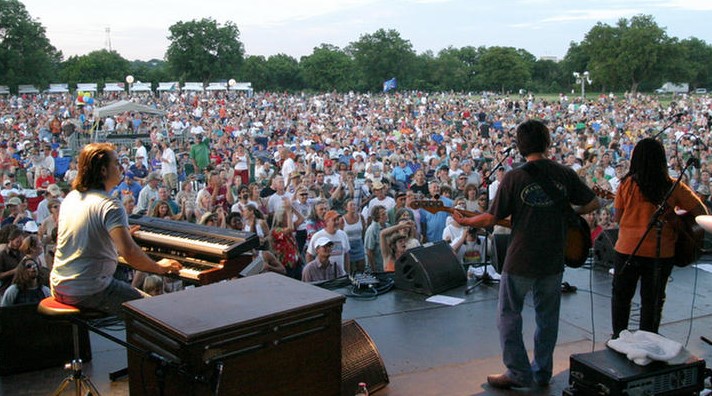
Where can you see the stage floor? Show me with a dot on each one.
(434, 349)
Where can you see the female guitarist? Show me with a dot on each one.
(641, 190)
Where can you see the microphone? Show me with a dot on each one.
(508, 149)
(679, 115)
(694, 162)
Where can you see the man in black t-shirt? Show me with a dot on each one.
(535, 257)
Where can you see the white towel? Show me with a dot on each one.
(642, 347)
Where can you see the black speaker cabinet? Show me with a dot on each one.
(603, 248)
(429, 269)
(30, 341)
(360, 360)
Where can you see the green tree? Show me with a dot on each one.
(154, 70)
(503, 69)
(96, 66)
(26, 55)
(381, 56)
(628, 54)
(254, 70)
(283, 73)
(450, 73)
(204, 50)
(328, 68)
(697, 58)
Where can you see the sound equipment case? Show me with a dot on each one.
(607, 372)
(271, 334)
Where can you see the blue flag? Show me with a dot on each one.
(389, 84)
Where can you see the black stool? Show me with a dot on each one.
(55, 309)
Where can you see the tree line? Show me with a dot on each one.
(633, 55)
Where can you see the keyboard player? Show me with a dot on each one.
(92, 229)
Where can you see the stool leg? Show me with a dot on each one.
(81, 381)
(65, 382)
(86, 382)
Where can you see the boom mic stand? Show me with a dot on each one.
(485, 278)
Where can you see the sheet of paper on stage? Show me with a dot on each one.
(447, 300)
(704, 267)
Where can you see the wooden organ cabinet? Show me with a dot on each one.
(262, 335)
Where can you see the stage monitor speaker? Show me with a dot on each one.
(360, 360)
(603, 248)
(429, 269)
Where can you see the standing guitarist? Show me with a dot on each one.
(641, 190)
(535, 257)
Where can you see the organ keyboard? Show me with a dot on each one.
(208, 254)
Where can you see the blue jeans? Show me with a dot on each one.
(108, 300)
(546, 293)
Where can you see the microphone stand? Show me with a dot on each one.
(497, 165)
(485, 278)
(673, 120)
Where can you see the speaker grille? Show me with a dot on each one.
(360, 360)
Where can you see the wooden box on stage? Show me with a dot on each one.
(261, 335)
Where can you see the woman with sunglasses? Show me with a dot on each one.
(25, 287)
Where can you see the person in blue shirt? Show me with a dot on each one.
(401, 174)
(128, 185)
(435, 223)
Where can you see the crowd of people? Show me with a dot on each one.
(335, 184)
(350, 167)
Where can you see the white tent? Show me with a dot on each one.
(123, 106)
(141, 87)
(216, 86)
(193, 86)
(114, 87)
(4, 90)
(58, 88)
(86, 87)
(168, 86)
(27, 89)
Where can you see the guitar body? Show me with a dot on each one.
(578, 242)
(689, 243)
(578, 234)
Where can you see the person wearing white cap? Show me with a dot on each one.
(322, 268)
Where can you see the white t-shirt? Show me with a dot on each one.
(86, 257)
(338, 252)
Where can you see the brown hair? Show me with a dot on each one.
(92, 158)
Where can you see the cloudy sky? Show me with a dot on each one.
(139, 29)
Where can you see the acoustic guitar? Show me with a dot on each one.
(690, 235)
(578, 234)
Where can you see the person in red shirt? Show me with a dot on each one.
(44, 180)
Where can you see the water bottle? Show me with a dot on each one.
(362, 389)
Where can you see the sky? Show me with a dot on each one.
(139, 29)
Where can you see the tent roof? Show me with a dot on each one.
(124, 106)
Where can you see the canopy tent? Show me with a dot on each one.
(58, 88)
(123, 106)
(114, 87)
(4, 90)
(27, 89)
(86, 87)
(168, 86)
(140, 87)
(216, 86)
(193, 86)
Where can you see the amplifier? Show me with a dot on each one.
(607, 372)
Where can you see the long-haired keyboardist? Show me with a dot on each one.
(93, 230)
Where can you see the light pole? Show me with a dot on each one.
(231, 83)
(583, 79)
(129, 81)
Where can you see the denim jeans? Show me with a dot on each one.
(108, 300)
(652, 291)
(546, 294)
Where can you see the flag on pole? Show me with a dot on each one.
(389, 84)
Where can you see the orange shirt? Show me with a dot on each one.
(636, 213)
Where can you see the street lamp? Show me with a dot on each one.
(129, 81)
(231, 83)
(583, 78)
